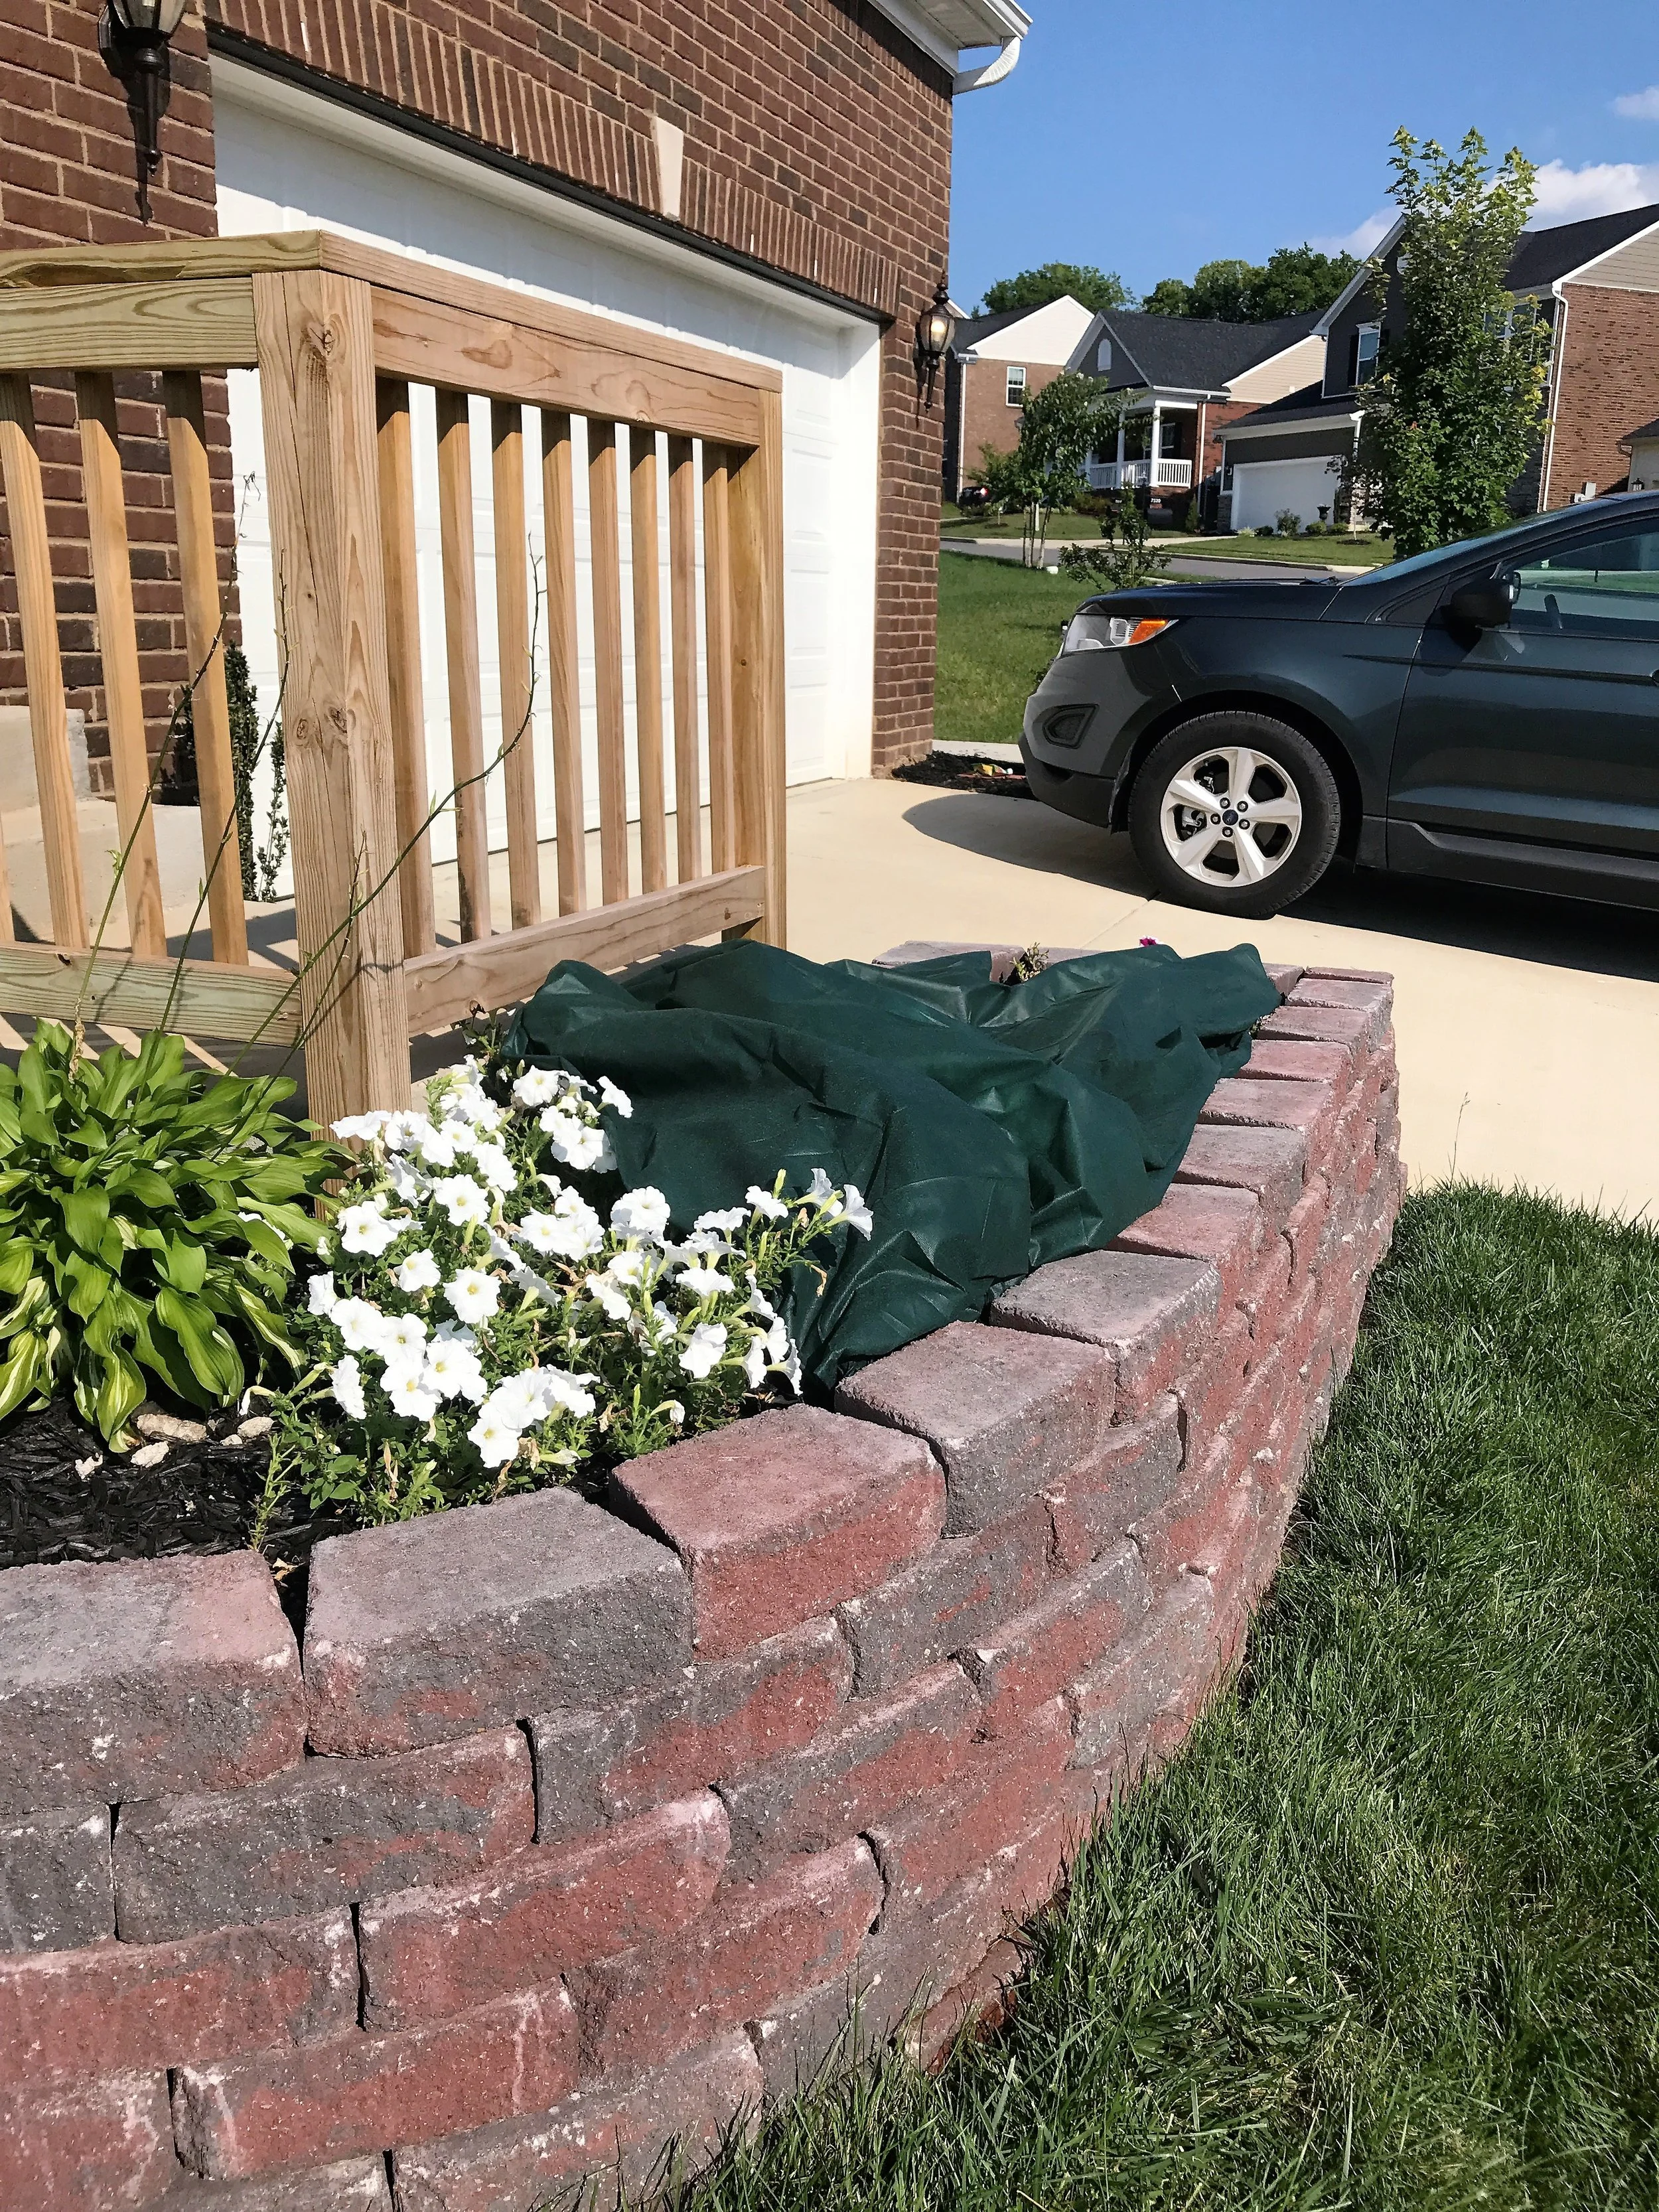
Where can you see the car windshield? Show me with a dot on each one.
(1414, 561)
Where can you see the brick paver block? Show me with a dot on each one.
(946, 1599)
(1005, 1413)
(1238, 1102)
(615, 2126)
(796, 1929)
(351, 2184)
(1135, 1469)
(430, 1954)
(779, 1519)
(1166, 1668)
(332, 1831)
(1297, 1060)
(1343, 1025)
(717, 1718)
(1148, 1312)
(1272, 1163)
(141, 1679)
(329, 2101)
(55, 1887)
(437, 1627)
(1038, 1653)
(118, 2007)
(1375, 999)
(86, 2144)
(810, 2033)
(1284, 979)
(886, 1750)
(1202, 1221)
(942, 1834)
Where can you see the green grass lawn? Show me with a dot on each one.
(998, 628)
(1361, 551)
(1385, 1937)
(1062, 523)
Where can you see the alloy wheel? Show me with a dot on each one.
(1230, 816)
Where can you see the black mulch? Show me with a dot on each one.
(954, 772)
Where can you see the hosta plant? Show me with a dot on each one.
(488, 1318)
(147, 1216)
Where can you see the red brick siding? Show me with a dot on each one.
(1607, 385)
(988, 419)
(1217, 416)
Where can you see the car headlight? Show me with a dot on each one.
(1110, 632)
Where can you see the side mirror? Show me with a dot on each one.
(1487, 604)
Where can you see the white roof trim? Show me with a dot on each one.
(1390, 238)
(1576, 275)
(945, 29)
(1250, 428)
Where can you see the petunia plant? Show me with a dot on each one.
(487, 1322)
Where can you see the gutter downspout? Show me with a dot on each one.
(988, 73)
(1558, 371)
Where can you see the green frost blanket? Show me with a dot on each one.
(990, 1126)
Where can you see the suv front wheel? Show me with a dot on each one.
(1236, 813)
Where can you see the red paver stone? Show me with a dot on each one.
(85, 2146)
(781, 1518)
(946, 1599)
(1004, 1415)
(942, 1834)
(1161, 1674)
(350, 2184)
(720, 1717)
(1304, 1228)
(983, 1996)
(55, 1887)
(1375, 999)
(1286, 1060)
(144, 1678)
(1270, 1162)
(1147, 1310)
(438, 1627)
(332, 1831)
(1202, 1221)
(430, 1954)
(1210, 1389)
(796, 1929)
(1135, 1469)
(616, 2126)
(1263, 1294)
(886, 1750)
(126, 2007)
(1310, 1106)
(1284, 979)
(1039, 1652)
(298, 2108)
(1343, 1025)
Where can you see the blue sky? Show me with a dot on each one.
(1150, 140)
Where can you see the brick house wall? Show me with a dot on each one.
(815, 142)
(986, 418)
(1607, 384)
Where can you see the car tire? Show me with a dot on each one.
(1264, 844)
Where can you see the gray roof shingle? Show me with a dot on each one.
(1187, 353)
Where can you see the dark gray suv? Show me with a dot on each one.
(1488, 711)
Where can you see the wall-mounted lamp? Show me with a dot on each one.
(132, 37)
(935, 328)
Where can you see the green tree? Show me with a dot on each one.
(1094, 289)
(1170, 296)
(1294, 280)
(1457, 408)
(1071, 418)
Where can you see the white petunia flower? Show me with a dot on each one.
(561, 1392)
(573, 1142)
(456, 1331)
(631, 1267)
(494, 1165)
(856, 1214)
(367, 1126)
(704, 1281)
(435, 1145)
(497, 1442)
(619, 1100)
(473, 1295)
(642, 1213)
(320, 1296)
(419, 1272)
(359, 1323)
(346, 1382)
(820, 1187)
(764, 1203)
(403, 1336)
(538, 1086)
(411, 1182)
(516, 1403)
(704, 1348)
(452, 1369)
(464, 1202)
(731, 1217)
(571, 1231)
(754, 1363)
(778, 1346)
(366, 1228)
(604, 1293)
(757, 1301)
(405, 1383)
(702, 1240)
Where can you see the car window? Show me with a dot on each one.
(1414, 563)
(1604, 586)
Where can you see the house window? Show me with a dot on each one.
(1367, 344)
(1015, 387)
(1103, 356)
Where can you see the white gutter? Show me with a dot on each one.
(988, 73)
(1558, 370)
(946, 29)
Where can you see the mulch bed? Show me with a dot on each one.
(953, 772)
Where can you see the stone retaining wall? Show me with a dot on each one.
(570, 1830)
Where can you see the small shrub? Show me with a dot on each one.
(147, 1214)
(480, 1329)
(1124, 559)
(1288, 522)
(1264, 530)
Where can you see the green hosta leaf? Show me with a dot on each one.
(142, 1186)
(21, 1371)
(88, 1284)
(213, 1357)
(264, 1323)
(120, 1393)
(183, 1263)
(85, 1214)
(163, 1354)
(16, 1266)
(32, 1301)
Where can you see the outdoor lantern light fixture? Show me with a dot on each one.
(935, 327)
(132, 37)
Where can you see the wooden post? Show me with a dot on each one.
(523, 863)
(644, 558)
(466, 749)
(559, 537)
(717, 624)
(682, 627)
(37, 607)
(754, 503)
(411, 790)
(606, 572)
(317, 389)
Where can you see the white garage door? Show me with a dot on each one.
(1262, 488)
(288, 161)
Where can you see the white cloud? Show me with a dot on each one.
(1364, 239)
(1638, 106)
(1565, 195)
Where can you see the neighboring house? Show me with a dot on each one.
(995, 361)
(768, 176)
(1642, 446)
(1597, 284)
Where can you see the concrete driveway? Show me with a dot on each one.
(1527, 1029)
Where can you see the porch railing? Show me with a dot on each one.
(337, 333)
(1124, 475)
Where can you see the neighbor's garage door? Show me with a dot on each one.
(1261, 489)
(288, 161)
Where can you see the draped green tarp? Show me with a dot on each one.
(990, 1126)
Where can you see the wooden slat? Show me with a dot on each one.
(199, 564)
(757, 673)
(683, 629)
(317, 394)
(559, 541)
(461, 651)
(31, 560)
(717, 627)
(411, 790)
(443, 986)
(161, 260)
(524, 865)
(185, 326)
(209, 999)
(118, 643)
(648, 659)
(604, 546)
(606, 375)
